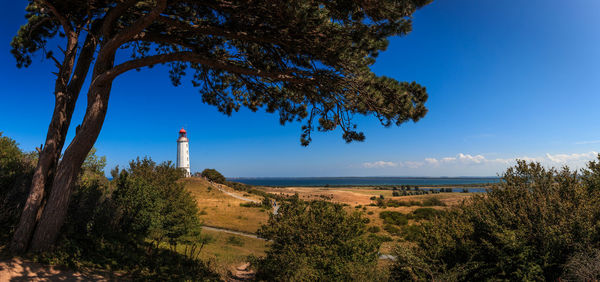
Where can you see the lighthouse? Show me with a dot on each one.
(183, 152)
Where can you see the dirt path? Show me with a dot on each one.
(220, 187)
(241, 273)
(19, 270)
(219, 229)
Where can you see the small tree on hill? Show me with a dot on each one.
(213, 175)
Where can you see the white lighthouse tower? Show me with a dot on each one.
(183, 152)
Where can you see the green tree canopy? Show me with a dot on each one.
(306, 60)
(317, 241)
(213, 175)
(303, 59)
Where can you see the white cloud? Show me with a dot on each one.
(379, 164)
(465, 164)
(433, 161)
(460, 158)
(471, 159)
(567, 158)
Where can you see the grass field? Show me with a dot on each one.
(361, 196)
(221, 210)
(218, 209)
(226, 253)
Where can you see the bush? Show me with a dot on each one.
(432, 201)
(16, 170)
(392, 229)
(533, 225)
(411, 232)
(236, 241)
(424, 213)
(213, 175)
(583, 266)
(374, 229)
(381, 238)
(317, 241)
(134, 223)
(393, 217)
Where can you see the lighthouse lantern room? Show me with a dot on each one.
(183, 152)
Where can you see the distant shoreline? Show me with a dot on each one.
(434, 182)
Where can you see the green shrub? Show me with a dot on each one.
(317, 241)
(529, 226)
(411, 232)
(432, 201)
(251, 205)
(236, 241)
(392, 229)
(16, 170)
(381, 238)
(213, 175)
(424, 213)
(393, 217)
(135, 223)
(374, 229)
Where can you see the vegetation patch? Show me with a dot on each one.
(536, 224)
(316, 241)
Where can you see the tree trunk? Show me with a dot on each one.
(55, 139)
(66, 94)
(68, 169)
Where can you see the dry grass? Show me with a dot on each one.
(221, 210)
(355, 196)
(361, 196)
(224, 255)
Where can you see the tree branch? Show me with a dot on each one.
(84, 61)
(216, 31)
(196, 58)
(162, 39)
(114, 14)
(135, 28)
(63, 21)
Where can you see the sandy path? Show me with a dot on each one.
(219, 186)
(19, 270)
(219, 229)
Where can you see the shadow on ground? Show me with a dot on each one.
(17, 269)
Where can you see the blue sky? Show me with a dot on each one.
(506, 79)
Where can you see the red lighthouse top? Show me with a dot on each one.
(182, 136)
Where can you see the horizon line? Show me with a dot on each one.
(381, 176)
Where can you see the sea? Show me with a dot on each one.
(471, 183)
